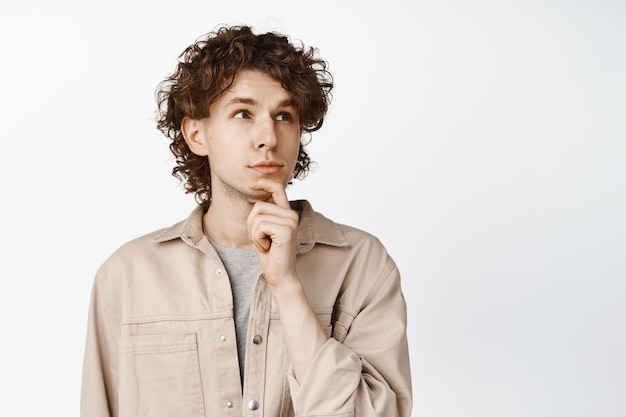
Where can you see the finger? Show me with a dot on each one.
(277, 190)
(270, 233)
(262, 242)
(270, 213)
(280, 219)
(270, 225)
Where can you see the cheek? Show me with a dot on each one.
(295, 150)
(295, 143)
(223, 147)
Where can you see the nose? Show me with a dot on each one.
(266, 135)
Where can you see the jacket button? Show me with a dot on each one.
(218, 272)
(222, 338)
(257, 339)
(253, 405)
(230, 404)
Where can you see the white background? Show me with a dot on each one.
(484, 142)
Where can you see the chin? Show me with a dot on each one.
(258, 195)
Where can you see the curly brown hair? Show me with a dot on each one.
(206, 70)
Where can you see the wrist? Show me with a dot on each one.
(287, 288)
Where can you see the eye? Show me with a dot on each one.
(284, 117)
(241, 114)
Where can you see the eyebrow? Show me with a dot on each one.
(250, 101)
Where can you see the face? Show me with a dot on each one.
(253, 131)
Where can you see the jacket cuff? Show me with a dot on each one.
(329, 384)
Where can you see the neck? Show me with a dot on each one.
(225, 223)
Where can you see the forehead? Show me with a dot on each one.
(256, 86)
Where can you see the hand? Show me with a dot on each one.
(272, 227)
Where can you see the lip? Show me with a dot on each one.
(267, 167)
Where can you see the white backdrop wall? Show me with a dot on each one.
(483, 141)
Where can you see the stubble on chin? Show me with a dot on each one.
(247, 195)
(255, 196)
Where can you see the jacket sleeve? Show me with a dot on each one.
(99, 380)
(368, 374)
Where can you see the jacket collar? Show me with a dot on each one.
(313, 228)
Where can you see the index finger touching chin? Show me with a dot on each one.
(277, 190)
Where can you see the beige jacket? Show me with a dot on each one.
(161, 335)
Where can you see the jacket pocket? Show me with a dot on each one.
(159, 376)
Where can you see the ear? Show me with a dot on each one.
(193, 132)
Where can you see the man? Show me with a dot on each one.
(254, 305)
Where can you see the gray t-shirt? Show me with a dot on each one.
(243, 268)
